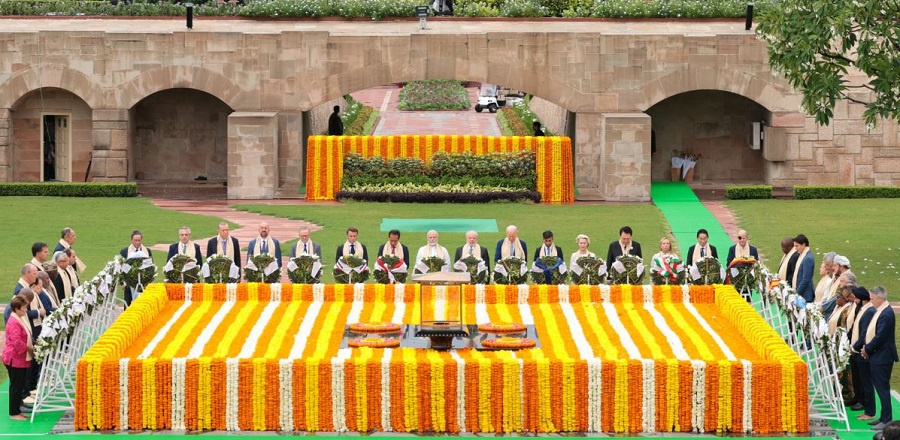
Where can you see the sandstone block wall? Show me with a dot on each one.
(552, 116)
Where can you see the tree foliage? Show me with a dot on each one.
(830, 50)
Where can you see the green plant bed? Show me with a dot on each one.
(364, 122)
(803, 192)
(439, 196)
(434, 94)
(350, 183)
(70, 189)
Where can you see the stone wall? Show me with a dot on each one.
(318, 116)
(180, 134)
(552, 116)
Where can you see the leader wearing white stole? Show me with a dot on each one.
(511, 246)
(66, 242)
(136, 246)
(472, 248)
(185, 246)
(433, 249)
(305, 246)
(351, 247)
(224, 244)
(265, 244)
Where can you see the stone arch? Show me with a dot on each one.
(58, 76)
(184, 77)
(774, 95)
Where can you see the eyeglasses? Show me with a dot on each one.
(741, 238)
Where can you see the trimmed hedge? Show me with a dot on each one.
(440, 197)
(748, 192)
(67, 189)
(806, 192)
(349, 183)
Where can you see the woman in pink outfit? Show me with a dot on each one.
(17, 354)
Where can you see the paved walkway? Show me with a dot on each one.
(395, 121)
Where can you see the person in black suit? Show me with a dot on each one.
(265, 244)
(394, 247)
(472, 248)
(548, 249)
(185, 246)
(232, 248)
(741, 249)
(305, 246)
(881, 350)
(137, 245)
(701, 249)
(862, 384)
(623, 246)
(351, 246)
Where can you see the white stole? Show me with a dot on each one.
(506, 248)
(797, 266)
(696, 255)
(310, 249)
(269, 243)
(78, 263)
(132, 250)
(476, 251)
(835, 317)
(870, 331)
(543, 252)
(68, 276)
(357, 249)
(229, 247)
(23, 321)
(36, 304)
(626, 249)
(396, 252)
(51, 292)
(855, 335)
(742, 251)
(782, 267)
(188, 249)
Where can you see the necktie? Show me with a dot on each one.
(703, 251)
(183, 249)
(304, 248)
(512, 249)
(352, 248)
(393, 249)
(471, 250)
(547, 252)
(265, 246)
(224, 251)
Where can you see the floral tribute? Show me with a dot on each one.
(627, 269)
(510, 270)
(745, 274)
(430, 265)
(588, 270)
(477, 269)
(707, 271)
(262, 268)
(325, 156)
(137, 270)
(350, 269)
(220, 269)
(375, 327)
(667, 270)
(374, 342)
(501, 327)
(182, 269)
(549, 270)
(508, 343)
(305, 269)
(390, 269)
(623, 359)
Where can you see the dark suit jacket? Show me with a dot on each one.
(615, 250)
(864, 321)
(60, 287)
(340, 252)
(804, 285)
(459, 254)
(252, 248)
(690, 253)
(539, 250)
(405, 252)
(882, 350)
(498, 250)
(124, 252)
(212, 248)
(753, 253)
(173, 251)
(59, 247)
(316, 249)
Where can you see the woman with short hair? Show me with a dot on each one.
(17, 354)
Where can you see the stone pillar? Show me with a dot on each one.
(252, 155)
(291, 155)
(5, 141)
(112, 145)
(612, 156)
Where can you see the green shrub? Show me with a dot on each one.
(405, 166)
(520, 164)
(66, 189)
(363, 122)
(434, 94)
(503, 122)
(351, 183)
(516, 125)
(355, 165)
(525, 8)
(748, 192)
(803, 192)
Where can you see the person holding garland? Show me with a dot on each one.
(351, 246)
(583, 242)
(433, 249)
(511, 246)
(393, 247)
(665, 263)
(265, 244)
(472, 248)
(185, 246)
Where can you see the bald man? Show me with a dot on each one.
(265, 244)
(742, 248)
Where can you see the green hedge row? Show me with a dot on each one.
(378, 9)
(349, 183)
(516, 165)
(748, 192)
(804, 192)
(65, 189)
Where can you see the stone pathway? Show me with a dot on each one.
(394, 121)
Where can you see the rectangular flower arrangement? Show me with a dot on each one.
(612, 359)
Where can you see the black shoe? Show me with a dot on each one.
(874, 422)
(857, 407)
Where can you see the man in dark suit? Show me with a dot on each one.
(66, 242)
(472, 248)
(742, 249)
(305, 246)
(806, 265)
(511, 246)
(137, 245)
(351, 246)
(881, 350)
(862, 375)
(623, 246)
(265, 244)
(185, 246)
(701, 249)
(224, 244)
(549, 248)
(394, 247)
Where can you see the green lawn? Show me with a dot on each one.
(862, 230)
(601, 223)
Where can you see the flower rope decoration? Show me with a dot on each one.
(220, 269)
(390, 269)
(510, 270)
(549, 269)
(744, 274)
(375, 327)
(507, 343)
(182, 269)
(588, 270)
(477, 269)
(138, 270)
(502, 327)
(350, 269)
(627, 269)
(374, 342)
(262, 268)
(667, 271)
(707, 271)
(305, 269)
(429, 265)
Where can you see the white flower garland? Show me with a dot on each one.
(178, 366)
(748, 395)
(188, 292)
(286, 394)
(523, 294)
(231, 292)
(460, 391)
(686, 293)
(584, 347)
(356, 308)
(318, 291)
(440, 303)
(253, 339)
(563, 290)
(123, 394)
(338, 394)
(604, 293)
(595, 400)
(648, 404)
(481, 314)
(386, 390)
(207, 333)
(524, 307)
(613, 316)
(648, 294)
(305, 329)
(671, 337)
(698, 395)
(399, 302)
(275, 289)
(231, 394)
(164, 331)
